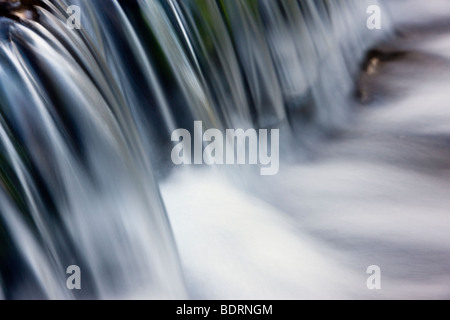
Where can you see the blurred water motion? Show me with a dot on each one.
(85, 122)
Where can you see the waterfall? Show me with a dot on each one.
(86, 116)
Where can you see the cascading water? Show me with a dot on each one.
(86, 117)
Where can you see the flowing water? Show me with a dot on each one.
(86, 117)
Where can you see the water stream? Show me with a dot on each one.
(85, 122)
